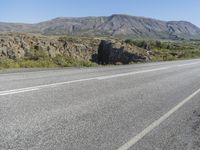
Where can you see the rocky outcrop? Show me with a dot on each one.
(15, 46)
(30, 46)
(114, 52)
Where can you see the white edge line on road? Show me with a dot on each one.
(187, 64)
(23, 90)
(131, 73)
(156, 123)
(34, 88)
(28, 89)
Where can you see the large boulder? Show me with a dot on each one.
(118, 52)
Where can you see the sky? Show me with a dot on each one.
(34, 11)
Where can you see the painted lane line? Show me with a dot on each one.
(34, 88)
(63, 83)
(156, 123)
(39, 87)
(23, 90)
(187, 64)
(131, 73)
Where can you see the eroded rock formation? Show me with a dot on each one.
(18, 45)
(115, 52)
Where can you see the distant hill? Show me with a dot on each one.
(124, 26)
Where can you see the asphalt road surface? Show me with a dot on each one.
(153, 106)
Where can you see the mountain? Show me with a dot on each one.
(116, 25)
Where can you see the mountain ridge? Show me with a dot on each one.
(117, 25)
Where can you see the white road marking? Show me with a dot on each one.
(130, 73)
(156, 123)
(23, 90)
(39, 87)
(28, 89)
(187, 64)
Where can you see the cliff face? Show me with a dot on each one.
(19, 46)
(116, 25)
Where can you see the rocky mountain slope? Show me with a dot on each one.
(116, 25)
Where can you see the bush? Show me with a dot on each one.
(69, 62)
(36, 64)
(8, 63)
(169, 50)
(58, 61)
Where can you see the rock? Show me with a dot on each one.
(11, 54)
(3, 52)
(110, 52)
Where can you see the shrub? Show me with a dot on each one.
(8, 63)
(58, 61)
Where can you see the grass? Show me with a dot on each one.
(168, 55)
(58, 61)
(169, 50)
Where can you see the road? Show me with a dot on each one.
(154, 106)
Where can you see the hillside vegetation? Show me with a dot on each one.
(33, 50)
(20, 50)
(169, 50)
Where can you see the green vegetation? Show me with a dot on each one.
(46, 63)
(41, 60)
(169, 50)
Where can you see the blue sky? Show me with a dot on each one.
(32, 11)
